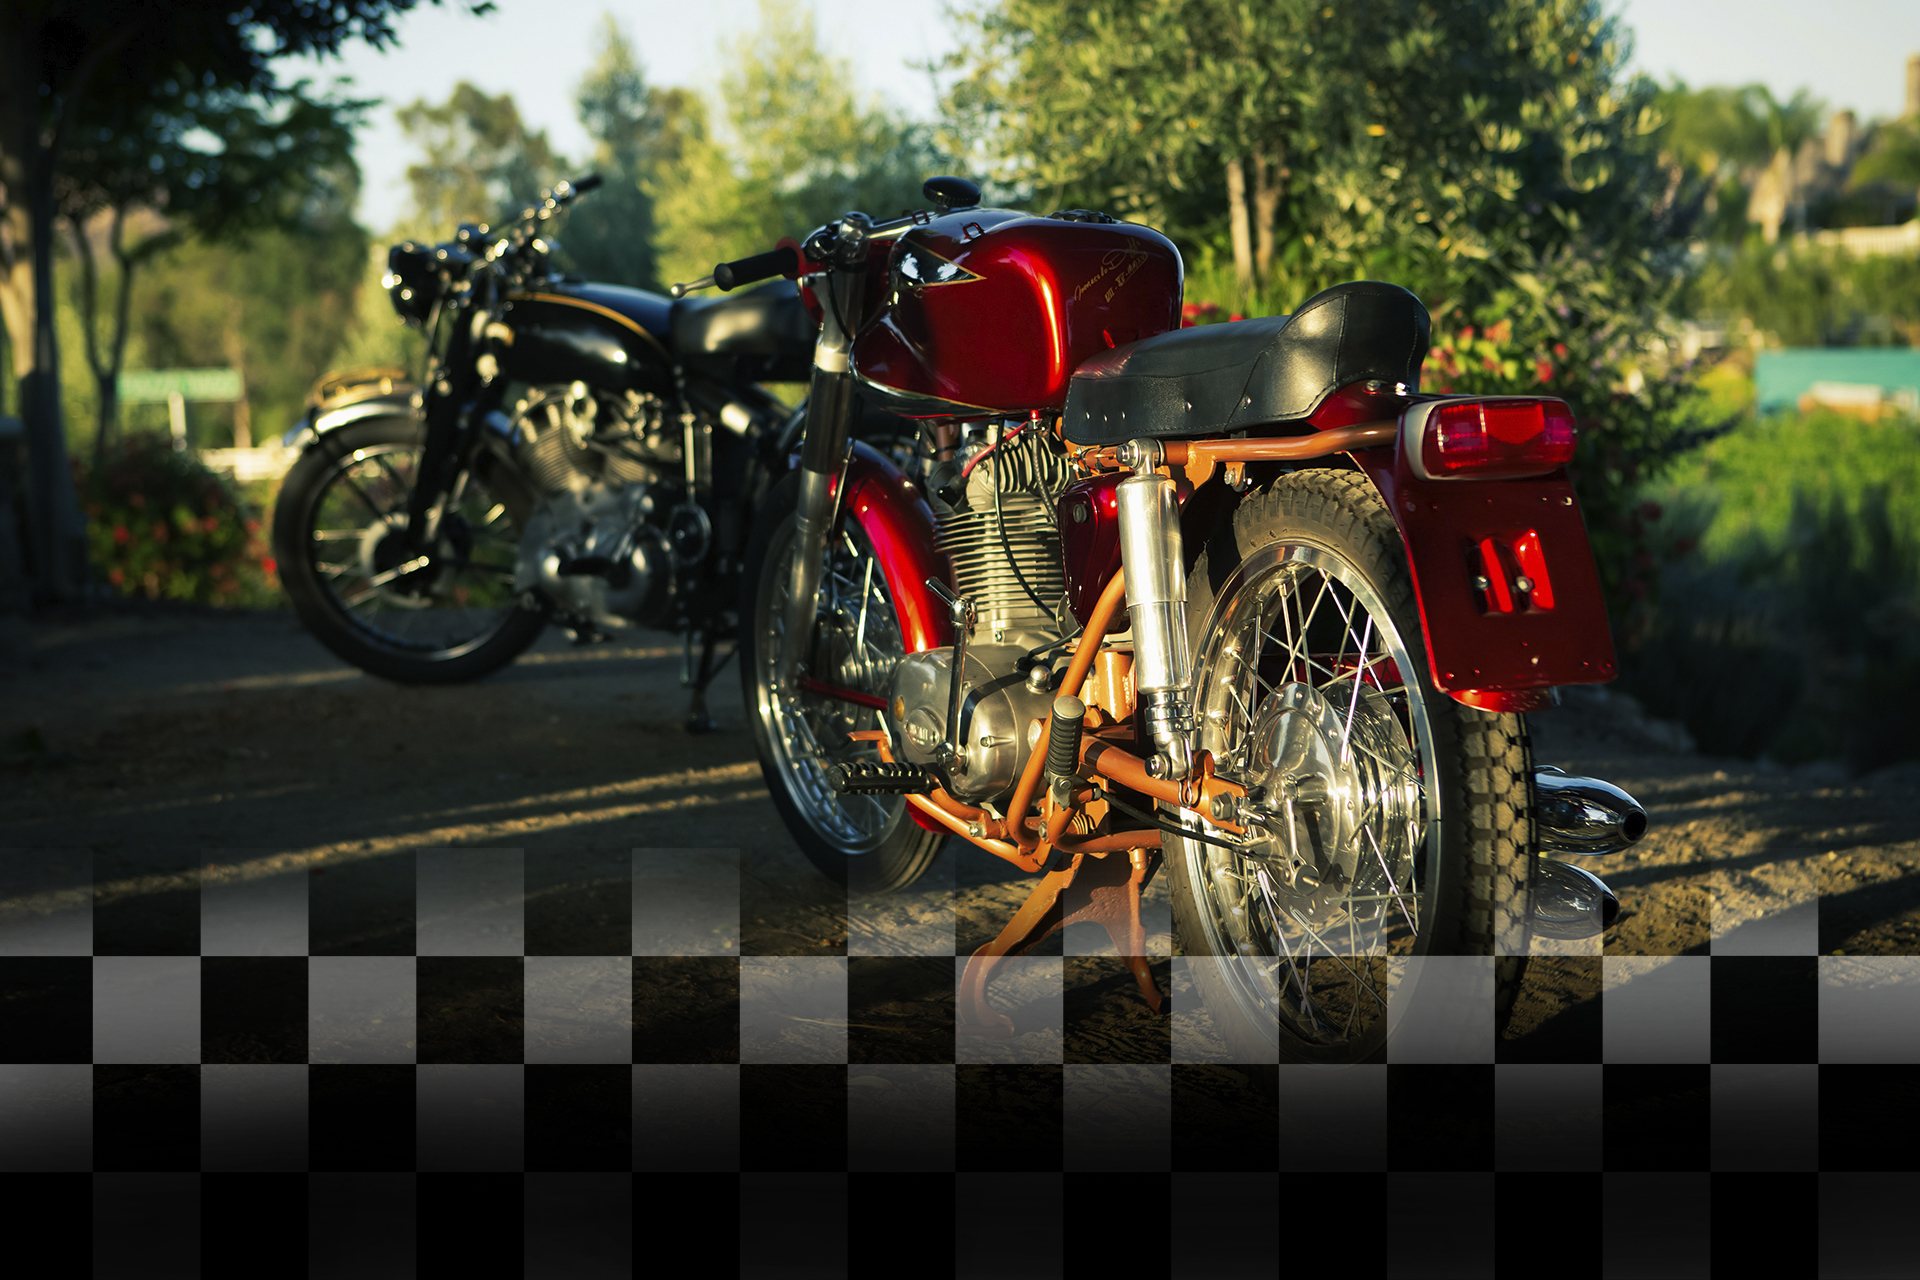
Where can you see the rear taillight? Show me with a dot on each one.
(1491, 439)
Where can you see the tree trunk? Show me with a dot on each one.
(59, 531)
(1268, 186)
(1237, 222)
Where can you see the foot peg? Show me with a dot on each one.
(1584, 815)
(1571, 903)
(875, 777)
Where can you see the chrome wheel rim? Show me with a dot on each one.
(444, 601)
(1303, 693)
(856, 641)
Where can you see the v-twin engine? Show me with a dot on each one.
(605, 542)
(994, 507)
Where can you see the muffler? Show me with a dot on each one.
(1571, 903)
(1583, 815)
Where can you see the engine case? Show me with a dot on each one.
(998, 715)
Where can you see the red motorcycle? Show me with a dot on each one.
(1239, 597)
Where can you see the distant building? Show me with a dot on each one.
(1796, 184)
(1868, 382)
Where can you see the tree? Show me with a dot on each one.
(801, 146)
(289, 167)
(1134, 104)
(70, 61)
(482, 164)
(1494, 156)
(609, 235)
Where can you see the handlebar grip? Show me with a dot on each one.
(587, 183)
(783, 261)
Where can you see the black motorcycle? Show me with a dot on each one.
(585, 454)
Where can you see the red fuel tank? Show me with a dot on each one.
(988, 311)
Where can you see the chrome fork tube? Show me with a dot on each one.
(823, 449)
(1154, 564)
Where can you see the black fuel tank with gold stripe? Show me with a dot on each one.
(605, 334)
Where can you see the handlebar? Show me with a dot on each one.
(783, 261)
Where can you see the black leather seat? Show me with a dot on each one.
(768, 327)
(1215, 378)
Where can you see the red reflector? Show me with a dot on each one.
(1497, 438)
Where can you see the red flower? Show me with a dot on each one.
(120, 534)
(1500, 332)
(1489, 364)
(159, 533)
(266, 564)
(1543, 370)
(1560, 349)
(116, 575)
(1466, 334)
(1190, 309)
(253, 526)
(209, 524)
(137, 500)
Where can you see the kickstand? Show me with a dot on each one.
(1096, 889)
(698, 721)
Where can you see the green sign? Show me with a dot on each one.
(141, 386)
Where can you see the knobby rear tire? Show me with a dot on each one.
(1475, 866)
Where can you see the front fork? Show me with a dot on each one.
(822, 451)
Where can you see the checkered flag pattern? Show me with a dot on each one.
(479, 1062)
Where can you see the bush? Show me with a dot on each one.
(163, 527)
(1798, 640)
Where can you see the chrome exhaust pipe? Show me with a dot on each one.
(1583, 815)
(1571, 903)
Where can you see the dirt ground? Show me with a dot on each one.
(155, 737)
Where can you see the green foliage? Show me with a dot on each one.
(1794, 630)
(163, 527)
(799, 146)
(1745, 485)
(481, 163)
(609, 234)
(1812, 296)
(277, 307)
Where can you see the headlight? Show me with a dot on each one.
(411, 281)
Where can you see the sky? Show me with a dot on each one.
(1849, 53)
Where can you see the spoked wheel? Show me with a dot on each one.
(1387, 820)
(414, 614)
(870, 843)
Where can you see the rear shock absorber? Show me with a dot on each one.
(1154, 562)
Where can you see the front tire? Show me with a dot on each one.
(440, 616)
(1398, 822)
(869, 843)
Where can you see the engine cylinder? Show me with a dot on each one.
(1008, 490)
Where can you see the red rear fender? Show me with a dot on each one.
(1510, 601)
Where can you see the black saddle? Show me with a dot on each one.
(766, 328)
(1224, 377)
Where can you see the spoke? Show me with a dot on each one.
(336, 535)
(1399, 901)
(404, 567)
(866, 595)
(400, 482)
(361, 494)
(1353, 704)
(1295, 651)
